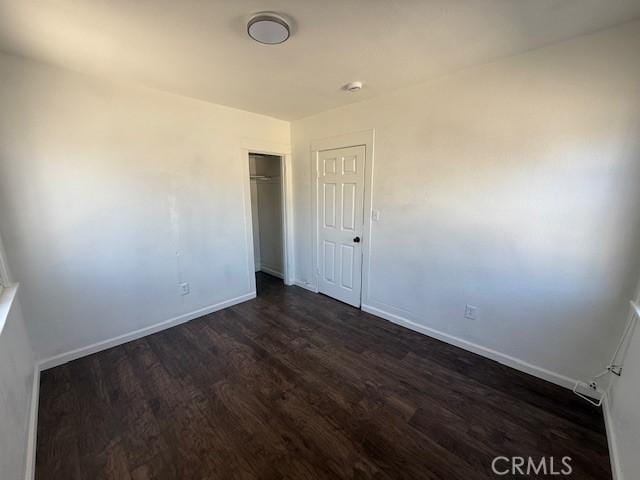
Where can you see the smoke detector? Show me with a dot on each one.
(268, 28)
(352, 86)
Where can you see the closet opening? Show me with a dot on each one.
(267, 218)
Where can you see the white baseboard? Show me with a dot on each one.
(143, 332)
(614, 455)
(32, 432)
(499, 357)
(271, 271)
(306, 286)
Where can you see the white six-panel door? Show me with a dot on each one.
(340, 222)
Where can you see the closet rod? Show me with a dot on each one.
(262, 177)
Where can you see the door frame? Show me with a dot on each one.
(354, 139)
(284, 152)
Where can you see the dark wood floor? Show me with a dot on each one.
(296, 385)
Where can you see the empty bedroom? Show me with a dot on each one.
(340, 239)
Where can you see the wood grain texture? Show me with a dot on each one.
(296, 385)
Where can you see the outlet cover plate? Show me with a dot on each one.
(471, 312)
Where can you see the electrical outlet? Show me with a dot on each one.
(375, 215)
(184, 288)
(471, 312)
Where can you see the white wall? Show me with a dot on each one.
(511, 186)
(271, 230)
(255, 225)
(112, 195)
(624, 410)
(16, 386)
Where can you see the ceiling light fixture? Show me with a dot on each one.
(353, 86)
(268, 28)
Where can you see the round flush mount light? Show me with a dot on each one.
(353, 86)
(268, 28)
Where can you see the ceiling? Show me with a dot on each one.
(200, 48)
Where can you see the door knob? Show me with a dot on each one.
(356, 240)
